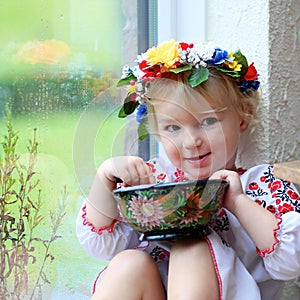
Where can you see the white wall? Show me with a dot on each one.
(268, 33)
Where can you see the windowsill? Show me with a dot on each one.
(288, 171)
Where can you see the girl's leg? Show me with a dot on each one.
(132, 275)
(191, 272)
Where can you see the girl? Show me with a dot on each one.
(197, 100)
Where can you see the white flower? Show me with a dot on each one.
(141, 57)
(204, 50)
(137, 72)
(125, 71)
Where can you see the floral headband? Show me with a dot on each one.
(176, 57)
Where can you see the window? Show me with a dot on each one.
(59, 64)
(60, 61)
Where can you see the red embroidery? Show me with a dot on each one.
(293, 195)
(241, 171)
(262, 178)
(253, 186)
(96, 280)
(161, 176)
(179, 175)
(271, 209)
(275, 185)
(151, 166)
(269, 251)
(211, 249)
(99, 231)
(285, 207)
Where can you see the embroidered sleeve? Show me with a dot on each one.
(85, 222)
(106, 242)
(276, 195)
(281, 198)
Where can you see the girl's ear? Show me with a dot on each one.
(243, 125)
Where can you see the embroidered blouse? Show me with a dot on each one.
(243, 270)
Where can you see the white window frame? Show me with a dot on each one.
(182, 20)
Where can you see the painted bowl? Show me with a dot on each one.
(171, 210)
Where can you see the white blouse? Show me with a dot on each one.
(244, 272)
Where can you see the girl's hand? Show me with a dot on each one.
(234, 192)
(132, 170)
(101, 206)
(256, 220)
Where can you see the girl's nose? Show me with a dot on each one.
(192, 139)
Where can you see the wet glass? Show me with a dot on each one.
(59, 63)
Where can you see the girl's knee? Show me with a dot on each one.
(128, 260)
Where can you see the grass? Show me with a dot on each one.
(71, 145)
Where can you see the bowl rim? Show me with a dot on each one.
(161, 185)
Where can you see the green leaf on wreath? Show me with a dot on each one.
(241, 59)
(181, 69)
(142, 131)
(122, 113)
(198, 76)
(231, 73)
(126, 81)
(129, 105)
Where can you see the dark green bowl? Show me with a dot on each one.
(171, 210)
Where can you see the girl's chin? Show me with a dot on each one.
(202, 176)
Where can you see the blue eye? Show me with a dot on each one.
(172, 128)
(209, 121)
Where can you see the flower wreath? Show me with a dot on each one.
(176, 57)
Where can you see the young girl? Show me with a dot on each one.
(197, 100)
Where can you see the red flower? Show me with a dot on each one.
(285, 208)
(162, 256)
(161, 176)
(275, 185)
(263, 178)
(150, 71)
(271, 209)
(253, 186)
(293, 195)
(258, 202)
(185, 46)
(251, 73)
(179, 175)
(151, 166)
(221, 213)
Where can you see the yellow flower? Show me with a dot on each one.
(233, 65)
(165, 53)
(131, 89)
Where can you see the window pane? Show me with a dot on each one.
(60, 61)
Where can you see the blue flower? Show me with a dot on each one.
(219, 57)
(246, 85)
(141, 112)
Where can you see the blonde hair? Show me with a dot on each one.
(219, 91)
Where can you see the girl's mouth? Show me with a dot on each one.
(199, 159)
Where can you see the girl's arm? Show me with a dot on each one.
(101, 207)
(257, 221)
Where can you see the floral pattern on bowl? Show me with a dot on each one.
(171, 206)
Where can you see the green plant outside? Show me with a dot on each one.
(72, 271)
(70, 100)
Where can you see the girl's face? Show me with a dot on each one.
(201, 140)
